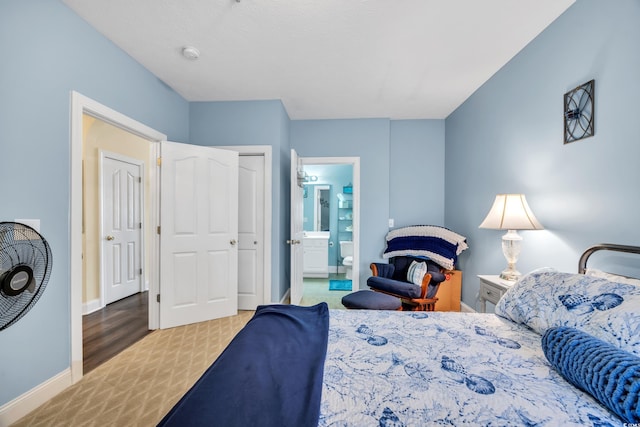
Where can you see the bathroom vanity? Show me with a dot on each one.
(316, 254)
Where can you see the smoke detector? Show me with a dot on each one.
(191, 53)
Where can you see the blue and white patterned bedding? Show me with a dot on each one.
(607, 309)
(418, 369)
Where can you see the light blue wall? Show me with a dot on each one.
(416, 195)
(508, 137)
(369, 140)
(254, 123)
(48, 52)
(381, 145)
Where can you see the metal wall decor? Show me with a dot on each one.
(578, 112)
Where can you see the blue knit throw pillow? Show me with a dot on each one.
(609, 374)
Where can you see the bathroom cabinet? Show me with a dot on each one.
(316, 256)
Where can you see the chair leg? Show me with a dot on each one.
(422, 305)
(416, 306)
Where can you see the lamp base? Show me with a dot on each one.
(511, 243)
(510, 274)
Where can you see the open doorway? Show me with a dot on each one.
(81, 106)
(331, 229)
(116, 232)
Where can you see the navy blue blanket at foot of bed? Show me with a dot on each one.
(269, 375)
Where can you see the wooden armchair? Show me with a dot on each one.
(392, 279)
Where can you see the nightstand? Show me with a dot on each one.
(491, 289)
(449, 292)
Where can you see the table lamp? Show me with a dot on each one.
(511, 212)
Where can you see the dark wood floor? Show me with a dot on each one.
(107, 332)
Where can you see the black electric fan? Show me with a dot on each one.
(25, 267)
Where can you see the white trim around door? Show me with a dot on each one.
(80, 105)
(355, 162)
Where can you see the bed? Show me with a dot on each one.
(562, 349)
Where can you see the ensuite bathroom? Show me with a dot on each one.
(328, 233)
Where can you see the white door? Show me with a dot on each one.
(297, 232)
(251, 233)
(198, 234)
(121, 226)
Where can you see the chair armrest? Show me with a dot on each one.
(437, 278)
(394, 287)
(425, 285)
(437, 273)
(382, 270)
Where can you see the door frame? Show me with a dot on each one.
(265, 151)
(355, 163)
(102, 155)
(80, 105)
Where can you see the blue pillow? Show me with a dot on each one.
(609, 374)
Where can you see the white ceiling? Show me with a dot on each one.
(398, 59)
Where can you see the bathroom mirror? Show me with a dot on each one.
(321, 207)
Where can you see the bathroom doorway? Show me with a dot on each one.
(331, 229)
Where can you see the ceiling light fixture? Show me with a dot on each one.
(191, 53)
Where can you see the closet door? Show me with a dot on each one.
(251, 232)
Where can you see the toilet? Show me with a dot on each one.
(346, 252)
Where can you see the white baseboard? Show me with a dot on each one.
(27, 402)
(464, 308)
(91, 306)
(285, 298)
(95, 305)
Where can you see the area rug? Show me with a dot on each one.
(140, 385)
(339, 285)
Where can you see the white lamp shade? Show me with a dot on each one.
(511, 212)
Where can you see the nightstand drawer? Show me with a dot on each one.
(490, 293)
(491, 289)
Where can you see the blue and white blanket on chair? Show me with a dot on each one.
(439, 244)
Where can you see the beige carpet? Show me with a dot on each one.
(140, 385)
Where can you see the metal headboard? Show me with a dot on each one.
(582, 264)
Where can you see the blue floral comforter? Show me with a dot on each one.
(419, 369)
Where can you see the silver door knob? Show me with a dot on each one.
(233, 241)
(293, 242)
(110, 237)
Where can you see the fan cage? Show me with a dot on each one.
(21, 245)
